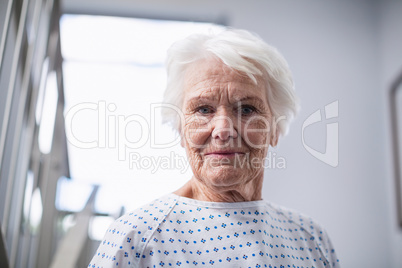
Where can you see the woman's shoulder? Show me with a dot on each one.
(145, 216)
(296, 218)
(311, 229)
(293, 215)
(127, 236)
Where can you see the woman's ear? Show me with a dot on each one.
(182, 141)
(274, 138)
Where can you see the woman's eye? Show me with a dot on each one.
(247, 110)
(204, 110)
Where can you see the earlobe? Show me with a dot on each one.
(182, 141)
(274, 139)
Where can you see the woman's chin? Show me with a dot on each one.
(225, 176)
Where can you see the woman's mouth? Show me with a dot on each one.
(224, 154)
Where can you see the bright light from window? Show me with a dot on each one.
(113, 72)
(48, 114)
(68, 222)
(28, 194)
(72, 195)
(98, 226)
(35, 215)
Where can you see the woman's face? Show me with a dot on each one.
(227, 125)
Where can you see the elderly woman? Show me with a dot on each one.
(236, 96)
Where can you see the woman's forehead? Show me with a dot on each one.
(214, 71)
(211, 79)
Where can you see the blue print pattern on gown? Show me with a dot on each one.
(175, 231)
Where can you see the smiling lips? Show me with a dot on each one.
(222, 154)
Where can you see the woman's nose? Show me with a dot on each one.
(224, 126)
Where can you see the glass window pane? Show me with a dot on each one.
(113, 71)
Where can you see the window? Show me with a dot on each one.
(113, 71)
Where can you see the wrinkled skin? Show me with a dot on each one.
(225, 110)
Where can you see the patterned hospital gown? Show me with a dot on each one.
(175, 231)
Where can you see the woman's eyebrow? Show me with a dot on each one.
(252, 99)
(256, 100)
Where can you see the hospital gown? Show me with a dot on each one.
(175, 231)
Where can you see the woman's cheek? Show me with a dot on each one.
(256, 134)
(196, 133)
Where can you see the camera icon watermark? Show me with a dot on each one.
(331, 154)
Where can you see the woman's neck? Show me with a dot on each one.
(196, 189)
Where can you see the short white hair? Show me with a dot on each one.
(239, 50)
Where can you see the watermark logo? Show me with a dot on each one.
(331, 155)
(156, 163)
(113, 128)
(181, 163)
(113, 133)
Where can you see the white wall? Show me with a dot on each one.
(335, 52)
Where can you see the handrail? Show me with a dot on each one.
(69, 250)
(3, 253)
(397, 85)
(6, 25)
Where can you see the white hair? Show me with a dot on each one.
(239, 50)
